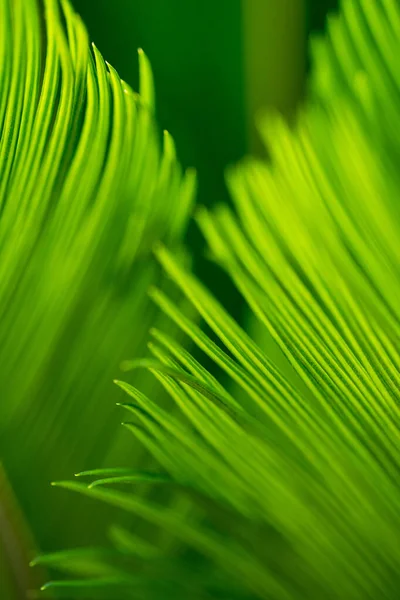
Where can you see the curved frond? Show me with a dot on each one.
(86, 189)
(305, 471)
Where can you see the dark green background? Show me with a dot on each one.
(196, 52)
(195, 47)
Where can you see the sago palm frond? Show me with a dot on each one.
(85, 191)
(291, 477)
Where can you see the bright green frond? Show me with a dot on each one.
(86, 189)
(294, 474)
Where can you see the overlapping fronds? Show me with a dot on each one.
(85, 191)
(293, 483)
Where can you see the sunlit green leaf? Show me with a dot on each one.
(307, 503)
(86, 188)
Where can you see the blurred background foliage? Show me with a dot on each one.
(215, 65)
(197, 53)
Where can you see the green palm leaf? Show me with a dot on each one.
(303, 465)
(294, 474)
(85, 191)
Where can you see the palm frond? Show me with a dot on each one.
(85, 191)
(296, 475)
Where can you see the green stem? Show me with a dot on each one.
(16, 547)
